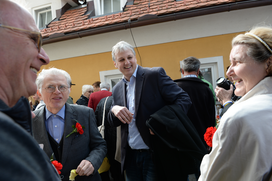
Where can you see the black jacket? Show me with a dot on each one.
(177, 145)
(202, 111)
(83, 101)
(21, 157)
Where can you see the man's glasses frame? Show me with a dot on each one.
(52, 88)
(34, 35)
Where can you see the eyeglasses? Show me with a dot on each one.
(90, 91)
(35, 36)
(51, 88)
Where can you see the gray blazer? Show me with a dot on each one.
(88, 146)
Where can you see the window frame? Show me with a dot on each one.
(39, 10)
(99, 7)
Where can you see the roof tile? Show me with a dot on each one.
(76, 19)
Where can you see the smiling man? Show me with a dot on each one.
(53, 123)
(142, 92)
(21, 56)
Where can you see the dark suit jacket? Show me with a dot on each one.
(202, 111)
(96, 97)
(88, 146)
(153, 90)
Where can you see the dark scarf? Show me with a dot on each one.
(20, 113)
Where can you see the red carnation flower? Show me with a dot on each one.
(79, 128)
(57, 165)
(208, 136)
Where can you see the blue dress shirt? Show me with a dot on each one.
(135, 140)
(54, 123)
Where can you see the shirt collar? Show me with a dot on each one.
(104, 89)
(190, 76)
(61, 112)
(134, 75)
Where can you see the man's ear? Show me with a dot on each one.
(182, 71)
(197, 72)
(39, 94)
(114, 63)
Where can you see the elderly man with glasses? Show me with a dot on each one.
(21, 57)
(67, 131)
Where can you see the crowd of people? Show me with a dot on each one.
(154, 126)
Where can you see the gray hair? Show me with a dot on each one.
(256, 49)
(52, 71)
(105, 85)
(86, 87)
(120, 47)
(190, 64)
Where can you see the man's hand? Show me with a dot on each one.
(223, 95)
(122, 113)
(85, 168)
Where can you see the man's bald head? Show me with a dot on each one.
(10, 13)
(21, 55)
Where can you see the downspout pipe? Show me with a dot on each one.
(152, 19)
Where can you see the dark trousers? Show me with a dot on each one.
(140, 166)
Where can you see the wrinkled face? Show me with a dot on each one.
(126, 62)
(20, 59)
(88, 93)
(54, 101)
(245, 72)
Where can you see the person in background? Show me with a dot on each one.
(242, 143)
(110, 137)
(54, 126)
(70, 100)
(97, 96)
(96, 86)
(140, 93)
(21, 57)
(202, 111)
(225, 96)
(36, 101)
(86, 92)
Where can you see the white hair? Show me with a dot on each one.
(120, 47)
(105, 85)
(51, 71)
(86, 87)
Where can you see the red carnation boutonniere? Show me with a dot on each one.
(208, 136)
(56, 164)
(77, 129)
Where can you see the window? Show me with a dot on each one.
(108, 6)
(111, 77)
(43, 16)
